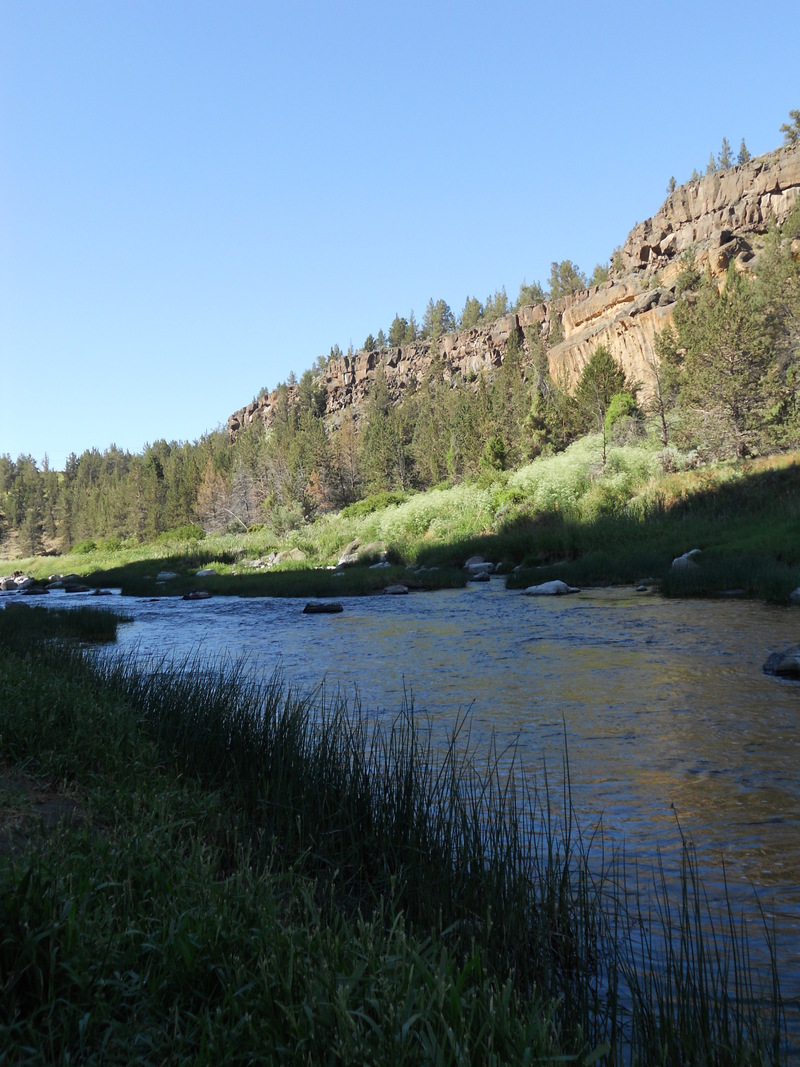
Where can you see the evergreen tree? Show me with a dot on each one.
(397, 331)
(496, 307)
(472, 313)
(791, 130)
(671, 186)
(711, 166)
(728, 380)
(438, 320)
(530, 294)
(565, 278)
(744, 154)
(725, 157)
(601, 380)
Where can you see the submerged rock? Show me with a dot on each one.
(197, 594)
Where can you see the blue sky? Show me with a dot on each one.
(198, 198)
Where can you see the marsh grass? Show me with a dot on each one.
(22, 625)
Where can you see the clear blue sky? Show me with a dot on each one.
(198, 198)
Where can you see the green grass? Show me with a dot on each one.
(260, 874)
(563, 516)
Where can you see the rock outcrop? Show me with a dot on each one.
(720, 218)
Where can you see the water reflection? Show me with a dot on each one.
(664, 706)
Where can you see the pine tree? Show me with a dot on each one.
(725, 158)
(791, 130)
(744, 154)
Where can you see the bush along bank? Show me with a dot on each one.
(250, 873)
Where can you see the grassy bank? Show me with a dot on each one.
(247, 873)
(566, 516)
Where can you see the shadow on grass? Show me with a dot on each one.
(746, 527)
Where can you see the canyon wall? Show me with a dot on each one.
(720, 219)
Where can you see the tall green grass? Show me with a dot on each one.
(278, 875)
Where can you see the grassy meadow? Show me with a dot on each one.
(564, 516)
(199, 867)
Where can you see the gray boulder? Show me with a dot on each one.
(686, 562)
(322, 607)
(786, 663)
(554, 588)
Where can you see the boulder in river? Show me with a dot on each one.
(197, 594)
(786, 663)
(322, 607)
(396, 590)
(554, 588)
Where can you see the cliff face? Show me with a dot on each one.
(721, 218)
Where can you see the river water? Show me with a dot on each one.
(663, 706)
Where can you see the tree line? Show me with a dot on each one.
(726, 379)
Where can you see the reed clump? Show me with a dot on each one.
(270, 875)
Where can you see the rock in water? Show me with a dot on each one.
(786, 663)
(322, 607)
(554, 588)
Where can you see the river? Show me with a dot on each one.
(662, 705)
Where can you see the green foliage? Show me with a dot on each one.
(601, 379)
(530, 294)
(83, 548)
(438, 320)
(600, 275)
(671, 186)
(372, 503)
(791, 130)
(494, 454)
(744, 154)
(725, 157)
(728, 383)
(471, 314)
(190, 532)
(565, 278)
(496, 307)
(622, 406)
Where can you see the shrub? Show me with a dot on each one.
(191, 532)
(83, 548)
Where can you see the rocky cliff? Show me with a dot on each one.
(720, 218)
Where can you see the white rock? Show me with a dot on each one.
(685, 562)
(554, 588)
(205, 571)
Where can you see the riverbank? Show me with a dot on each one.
(565, 517)
(245, 869)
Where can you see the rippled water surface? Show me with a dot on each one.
(663, 705)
